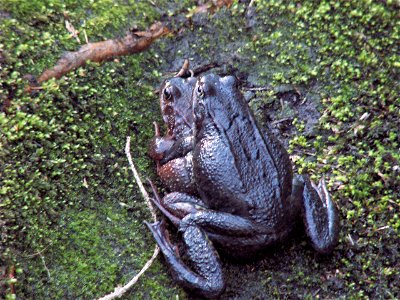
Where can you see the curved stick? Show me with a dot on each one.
(120, 290)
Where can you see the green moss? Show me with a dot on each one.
(72, 210)
(346, 52)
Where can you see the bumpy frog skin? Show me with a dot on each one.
(247, 198)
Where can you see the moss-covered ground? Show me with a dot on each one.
(71, 215)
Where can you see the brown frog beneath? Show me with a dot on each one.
(242, 195)
(172, 152)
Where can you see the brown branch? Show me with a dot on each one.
(133, 42)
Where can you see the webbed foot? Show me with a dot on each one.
(320, 216)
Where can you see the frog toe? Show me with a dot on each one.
(160, 234)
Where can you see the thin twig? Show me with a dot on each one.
(138, 180)
(192, 73)
(184, 70)
(281, 120)
(44, 264)
(38, 252)
(120, 290)
(258, 89)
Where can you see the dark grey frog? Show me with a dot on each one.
(246, 197)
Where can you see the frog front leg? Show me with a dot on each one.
(180, 148)
(174, 161)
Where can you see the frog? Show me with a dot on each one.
(172, 152)
(247, 197)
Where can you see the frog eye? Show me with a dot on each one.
(167, 92)
(200, 91)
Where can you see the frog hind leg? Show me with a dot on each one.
(320, 215)
(206, 279)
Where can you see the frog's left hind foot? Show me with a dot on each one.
(320, 216)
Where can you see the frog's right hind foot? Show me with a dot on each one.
(320, 216)
(206, 278)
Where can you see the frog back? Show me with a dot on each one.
(256, 159)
